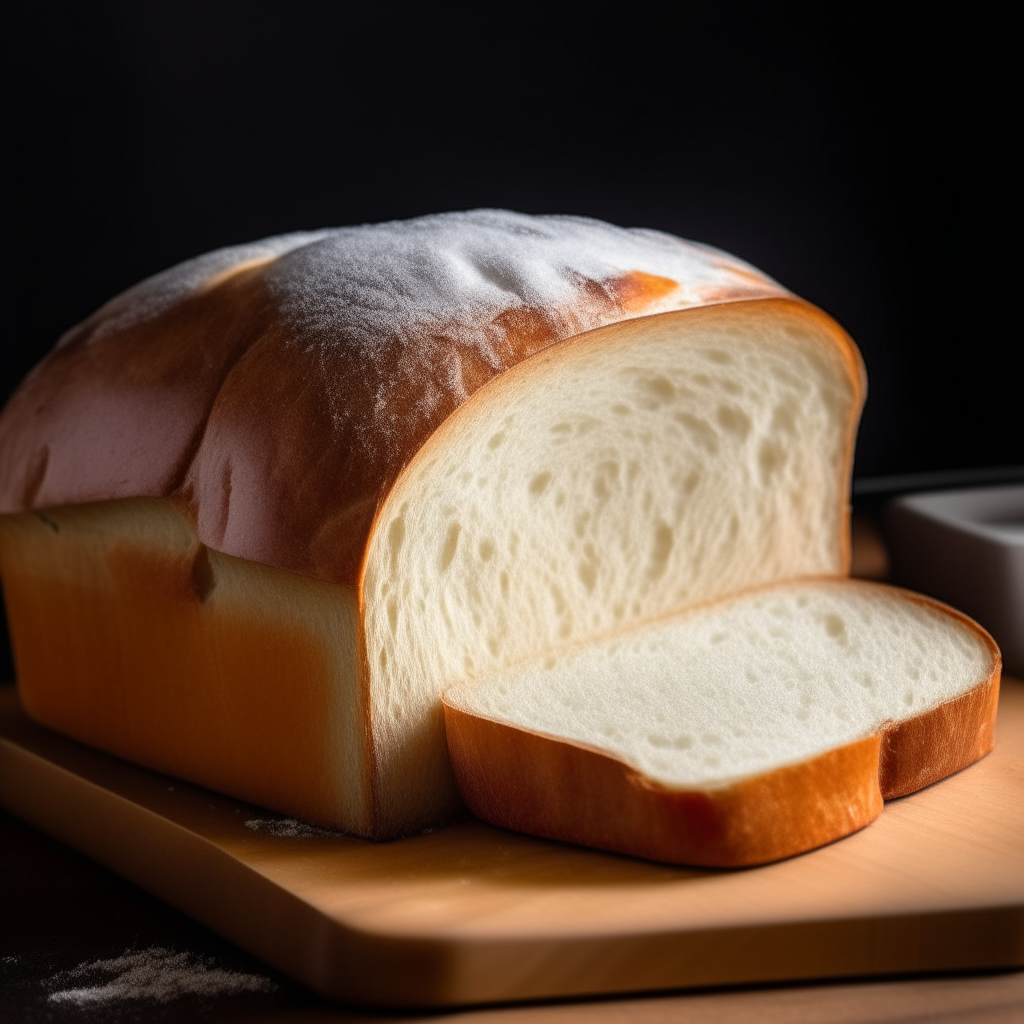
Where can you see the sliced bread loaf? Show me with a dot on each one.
(262, 509)
(737, 733)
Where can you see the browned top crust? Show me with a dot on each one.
(276, 390)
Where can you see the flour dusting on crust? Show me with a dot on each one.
(362, 284)
(390, 290)
(456, 273)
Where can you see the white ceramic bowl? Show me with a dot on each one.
(966, 548)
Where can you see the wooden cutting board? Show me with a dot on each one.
(473, 914)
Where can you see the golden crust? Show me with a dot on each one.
(133, 637)
(928, 747)
(561, 790)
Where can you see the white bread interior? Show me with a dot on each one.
(636, 470)
(748, 685)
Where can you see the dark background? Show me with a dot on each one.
(860, 156)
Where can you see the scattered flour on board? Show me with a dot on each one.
(289, 828)
(156, 973)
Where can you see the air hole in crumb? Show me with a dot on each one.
(587, 572)
(771, 458)
(661, 387)
(620, 409)
(663, 541)
(835, 627)
(450, 544)
(658, 741)
(486, 550)
(784, 417)
(495, 440)
(700, 430)
(396, 534)
(734, 420)
(682, 742)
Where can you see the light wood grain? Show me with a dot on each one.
(472, 914)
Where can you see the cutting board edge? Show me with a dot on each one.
(344, 963)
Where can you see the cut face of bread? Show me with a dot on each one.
(738, 733)
(640, 469)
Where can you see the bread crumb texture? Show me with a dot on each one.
(628, 478)
(742, 688)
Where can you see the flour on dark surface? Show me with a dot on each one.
(289, 828)
(155, 974)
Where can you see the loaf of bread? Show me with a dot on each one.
(741, 732)
(263, 509)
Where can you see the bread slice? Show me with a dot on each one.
(258, 520)
(735, 734)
